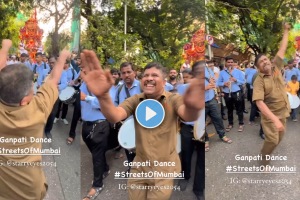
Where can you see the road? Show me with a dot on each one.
(229, 186)
(71, 178)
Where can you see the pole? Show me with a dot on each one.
(207, 30)
(125, 24)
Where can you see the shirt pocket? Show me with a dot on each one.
(269, 84)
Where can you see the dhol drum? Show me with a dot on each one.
(126, 135)
(68, 95)
(199, 127)
(294, 100)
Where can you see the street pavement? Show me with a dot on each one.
(64, 179)
(228, 186)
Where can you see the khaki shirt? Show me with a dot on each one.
(271, 90)
(157, 144)
(24, 182)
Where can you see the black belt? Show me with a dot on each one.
(232, 92)
(89, 123)
(210, 100)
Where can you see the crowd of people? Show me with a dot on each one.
(264, 83)
(102, 111)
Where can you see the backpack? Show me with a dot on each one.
(35, 66)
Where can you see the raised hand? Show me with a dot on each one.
(194, 96)
(6, 44)
(98, 81)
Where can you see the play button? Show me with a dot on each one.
(150, 113)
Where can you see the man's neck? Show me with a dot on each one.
(173, 82)
(39, 62)
(129, 85)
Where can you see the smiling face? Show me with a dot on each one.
(153, 83)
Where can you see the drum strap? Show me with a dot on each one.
(127, 91)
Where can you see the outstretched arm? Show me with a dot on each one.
(99, 82)
(6, 44)
(284, 41)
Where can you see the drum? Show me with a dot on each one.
(68, 95)
(35, 89)
(294, 100)
(126, 134)
(199, 127)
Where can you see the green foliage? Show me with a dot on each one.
(64, 40)
(156, 30)
(255, 24)
(11, 22)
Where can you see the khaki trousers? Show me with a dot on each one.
(272, 137)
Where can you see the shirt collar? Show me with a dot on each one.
(162, 97)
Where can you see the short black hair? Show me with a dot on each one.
(210, 61)
(228, 58)
(157, 66)
(294, 77)
(38, 54)
(187, 71)
(290, 61)
(257, 58)
(126, 64)
(114, 70)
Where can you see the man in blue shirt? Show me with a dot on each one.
(61, 85)
(290, 71)
(212, 108)
(130, 87)
(71, 76)
(231, 79)
(23, 60)
(95, 134)
(39, 67)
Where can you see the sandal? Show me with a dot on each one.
(70, 140)
(229, 127)
(206, 146)
(97, 192)
(241, 128)
(226, 140)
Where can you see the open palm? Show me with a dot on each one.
(98, 81)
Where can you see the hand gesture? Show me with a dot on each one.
(98, 81)
(6, 44)
(287, 26)
(193, 97)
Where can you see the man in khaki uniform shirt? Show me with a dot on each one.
(270, 96)
(23, 115)
(157, 144)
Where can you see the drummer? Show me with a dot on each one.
(293, 88)
(71, 76)
(61, 85)
(157, 144)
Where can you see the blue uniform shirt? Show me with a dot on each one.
(224, 77)
(70, 72)
(249, 73)
(135, 89)
(90, 108)
(209, 94)
(63, 83)
(40, 68)
(169, 87)
(289, 73)
(28, 64)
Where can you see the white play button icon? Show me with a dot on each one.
(149, 113)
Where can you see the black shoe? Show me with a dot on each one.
(183, 184)
(245, 111)
(105, 174)
(48, 135)
(262, 136)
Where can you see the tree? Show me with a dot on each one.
(64, 40)
(254, 24)
(161, 27)
(60, 10)
(9, 23)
